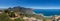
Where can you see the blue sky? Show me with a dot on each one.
(36, 4)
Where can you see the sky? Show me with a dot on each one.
(36, 4)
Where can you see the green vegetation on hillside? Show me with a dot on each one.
(20, 11)
(4, 17)
(19, 19)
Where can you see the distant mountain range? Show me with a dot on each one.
(47, 12)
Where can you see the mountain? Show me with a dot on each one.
(21, 9)
(47, 12)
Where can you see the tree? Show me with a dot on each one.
(12, 14)
(6, 11)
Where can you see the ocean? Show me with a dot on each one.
(47, 12)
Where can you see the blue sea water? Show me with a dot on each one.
(47, 12)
